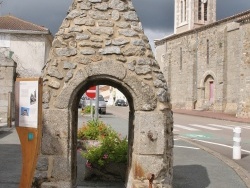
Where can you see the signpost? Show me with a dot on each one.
(28, 121)
(91, 92)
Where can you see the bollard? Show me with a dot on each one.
(237, 146)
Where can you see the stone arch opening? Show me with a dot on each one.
(102, 42)
(100, 80)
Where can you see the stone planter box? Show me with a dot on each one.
(109, 172)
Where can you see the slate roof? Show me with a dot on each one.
(12, 23)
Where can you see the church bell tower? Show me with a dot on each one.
(191, 14)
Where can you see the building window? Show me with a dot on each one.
(185, 10)
(180, 58)
(199, 10)
(181, 11)
(207, 51)
(205, 11)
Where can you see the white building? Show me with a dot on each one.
(24, 48)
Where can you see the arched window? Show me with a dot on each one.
(205, 11)
(199, 10)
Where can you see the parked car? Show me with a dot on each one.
(102, 104)
(81, 102)
(121, 102)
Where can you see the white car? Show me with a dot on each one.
(102, 104)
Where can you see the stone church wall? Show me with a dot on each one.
(215, 53)
(243, 109)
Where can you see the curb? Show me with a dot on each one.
(208, 114)
(242, 173)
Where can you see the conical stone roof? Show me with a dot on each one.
(108, 33)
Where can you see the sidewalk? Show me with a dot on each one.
(194, 166)
(209, 114)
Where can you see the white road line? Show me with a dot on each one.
(185, 147)
(218, 144)
(205, 127)
(185, 127)
(176, 130)
(222, 126)
(241, 126)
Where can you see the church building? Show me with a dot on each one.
(206, 62)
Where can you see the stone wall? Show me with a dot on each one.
(101, 42)
(7, 77)
(217, 51)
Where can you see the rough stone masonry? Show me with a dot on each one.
(102, 42)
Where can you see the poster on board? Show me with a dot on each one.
(27, 103)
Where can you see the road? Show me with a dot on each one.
(193, 167)
(214, 134)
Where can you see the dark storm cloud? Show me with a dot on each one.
(49, 13)
(157, 16)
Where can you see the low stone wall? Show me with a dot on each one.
(7, 80)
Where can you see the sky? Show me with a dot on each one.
(157, 16)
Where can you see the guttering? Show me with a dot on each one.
(46, 32)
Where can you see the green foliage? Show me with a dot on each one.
(111, 149)
(93, 130)
(87, 109)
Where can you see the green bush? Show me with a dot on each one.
(111, 149)
(93, 130)
(87, 109)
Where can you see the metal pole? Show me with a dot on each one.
(9, 116)
(91, 109)
(237, 146)
(97, 102)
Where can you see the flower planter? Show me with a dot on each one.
(108, 172)
(86, 144)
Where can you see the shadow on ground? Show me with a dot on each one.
(10, 165)
(190, 176)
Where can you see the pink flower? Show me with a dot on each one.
(105, 156)
(88, 164)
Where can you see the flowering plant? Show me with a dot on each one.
(93, 130)
(111, 148)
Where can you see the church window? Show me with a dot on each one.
(207, 51)
(199, 10)
(205, 11)
(185, 10)
(180, 58)
(181, 11)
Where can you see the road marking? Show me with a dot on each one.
(222, 126)
(218, 144)
(176, 130)
(245, 127)
(205, 136)
(185, 147)
(205, 127)
(185, 127)
(242, 126)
